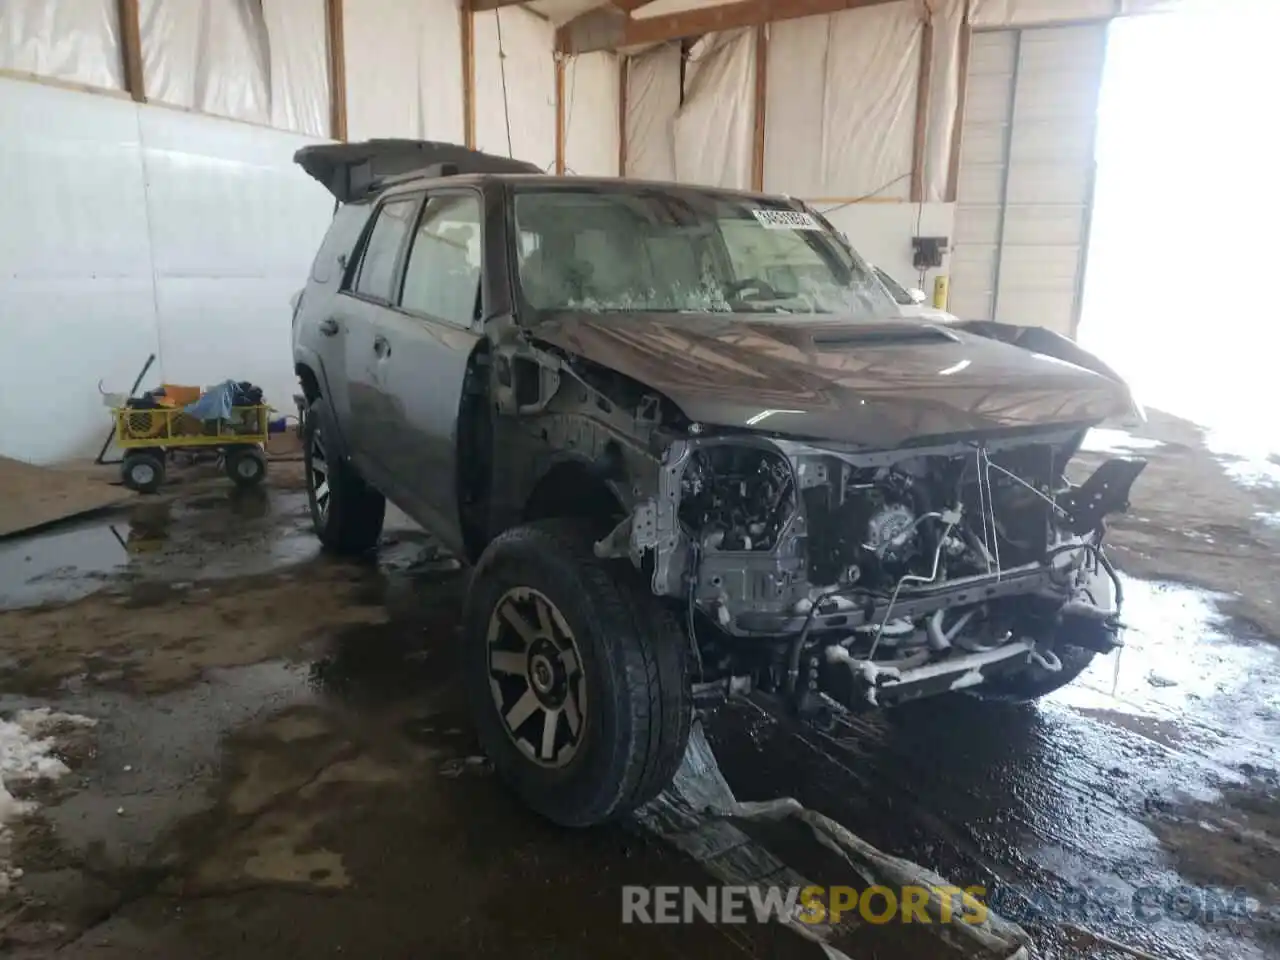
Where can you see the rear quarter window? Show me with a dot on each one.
(376, 275)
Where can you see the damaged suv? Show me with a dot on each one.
(691, 450)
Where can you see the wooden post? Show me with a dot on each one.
(560, 131)
(337, 70)
(962, 95)
(131, 49)
(468, 73)
(919, 144)
(762, 89)
(623, 71)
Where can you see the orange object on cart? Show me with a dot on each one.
(177, 395)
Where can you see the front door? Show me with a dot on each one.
(425, 344)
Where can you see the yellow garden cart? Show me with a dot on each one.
(149, 435)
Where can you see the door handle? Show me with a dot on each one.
(329, 326)
(381, 347)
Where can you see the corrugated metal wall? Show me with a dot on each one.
(1026, 175)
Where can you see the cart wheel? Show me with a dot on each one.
(143, 470)
(247, 466)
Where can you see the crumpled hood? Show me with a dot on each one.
(875, 383)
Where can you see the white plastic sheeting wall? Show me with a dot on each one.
(709, 139)
(263, 61)
(653, 99)
(73, 40)
(298, 48)
(591, 115)
(715, 127)
(840, 119)
(944, 94)
(516, 86)
(841, 104)
(404, 69)
(210, 55)
(143, 229)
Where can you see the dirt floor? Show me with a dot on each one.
(273, 762)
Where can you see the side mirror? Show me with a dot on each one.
(916, 295)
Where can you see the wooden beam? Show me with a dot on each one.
(468, 21)
(762, 88)
(131, 49)
(624, 70)
(919, 143)
(962, 95)
(479, 6)
(592, 32)
(337, 54)
(560, 131)
(598, 29)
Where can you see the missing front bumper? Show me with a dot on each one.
(862, 683)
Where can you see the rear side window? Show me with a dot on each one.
(377, 274)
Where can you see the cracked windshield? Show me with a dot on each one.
(687, 252)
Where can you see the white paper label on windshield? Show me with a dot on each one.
(786, 220)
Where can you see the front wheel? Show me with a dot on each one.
(346, 512)
(576, 675)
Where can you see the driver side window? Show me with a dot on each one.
(442, 278)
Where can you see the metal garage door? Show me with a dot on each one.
(1025, 191)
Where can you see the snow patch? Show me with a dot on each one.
(970, 678)
(27, 745)
(1107, 440)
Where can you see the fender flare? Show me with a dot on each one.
(304, 356)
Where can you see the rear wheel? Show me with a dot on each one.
(346, 512)
(576, 675)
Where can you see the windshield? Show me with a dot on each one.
(653, 250)
(896, 290)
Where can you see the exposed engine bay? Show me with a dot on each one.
(852, 578)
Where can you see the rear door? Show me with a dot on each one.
(424, 345)
(369, 290)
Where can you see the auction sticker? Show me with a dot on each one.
(786, 219)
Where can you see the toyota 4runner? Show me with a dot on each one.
(691, 449)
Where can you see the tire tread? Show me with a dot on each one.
(645, 645)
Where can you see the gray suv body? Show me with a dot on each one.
(691, 450)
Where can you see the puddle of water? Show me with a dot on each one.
(241, 533)
(36, 569)
(237, 533)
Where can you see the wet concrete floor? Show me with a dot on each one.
(281, 764)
